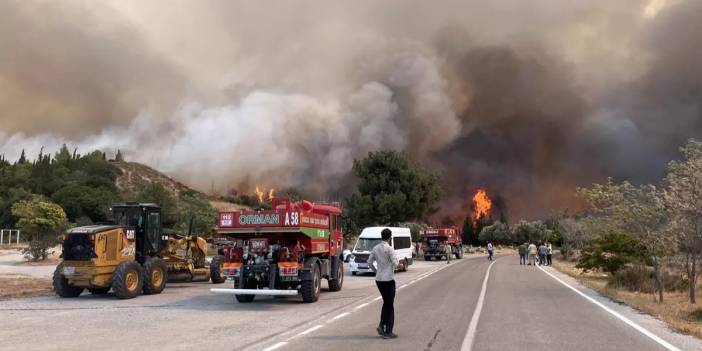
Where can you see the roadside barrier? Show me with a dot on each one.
(9, 232)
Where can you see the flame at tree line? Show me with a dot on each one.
(481, 205)
(262, 194)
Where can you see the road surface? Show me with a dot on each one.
(521, 308)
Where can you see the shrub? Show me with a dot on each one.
(639, 278)
(610, 253)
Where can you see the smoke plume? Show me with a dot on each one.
(526, 99)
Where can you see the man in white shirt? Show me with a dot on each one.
(384, 256)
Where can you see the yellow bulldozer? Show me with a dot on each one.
(130, 256)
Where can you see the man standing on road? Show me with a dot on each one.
(384, 256)
(490, 250)
(532, 254)
(549, 254)
(522, 254)
(449, 253)
(542, 254)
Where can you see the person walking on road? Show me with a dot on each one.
(384, 255)
(522, 254)
(449, 253)
(532, 254)
(542, 254)
(549, 254)
(490, 250)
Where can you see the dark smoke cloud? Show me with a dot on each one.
(527, 99)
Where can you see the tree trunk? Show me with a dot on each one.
(659, 282)
(693, 279)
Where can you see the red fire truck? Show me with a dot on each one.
(435, 240)
(284, 251)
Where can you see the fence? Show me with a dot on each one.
(8, 233)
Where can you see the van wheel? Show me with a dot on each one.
(405, 266)
(353, 273)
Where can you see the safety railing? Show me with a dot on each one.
(6, 236)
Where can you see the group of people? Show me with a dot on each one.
(528, 253)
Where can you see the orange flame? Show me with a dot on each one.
(482, 204)
(261, 195)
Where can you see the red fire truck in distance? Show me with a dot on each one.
(434, 241)
(284, 251)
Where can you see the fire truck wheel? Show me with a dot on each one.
(335, 284)
(217, 270)
(155, 275)
(127, 280)
(311, 288)
(460, 252)
(61, 285)
(245, 298)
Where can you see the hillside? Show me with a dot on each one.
(136, 175)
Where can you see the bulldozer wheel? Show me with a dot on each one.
(99, 291)
(217, 270)
(61, 285)
(155, 275)
(311, 288)
(127, 280)
(336, 284)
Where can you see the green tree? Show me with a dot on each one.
(158, 194)
(391, 190)
(496, 233)
(195, 207)
(683, 197)
(638, 211)
(469, 236)
(43, 221)
(532, 232)
(611, 252)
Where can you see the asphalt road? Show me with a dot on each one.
(523, 308)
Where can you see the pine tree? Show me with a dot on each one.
(23, 158)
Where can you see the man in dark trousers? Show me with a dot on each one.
(384, 256)
(522, 254)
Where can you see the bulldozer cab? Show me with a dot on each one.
(142, 222)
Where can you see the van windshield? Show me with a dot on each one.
(364, 244)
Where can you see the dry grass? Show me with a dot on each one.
(675, 310)
(19, 286)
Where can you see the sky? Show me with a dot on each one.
(528, 99)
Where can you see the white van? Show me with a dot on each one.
(401, 242)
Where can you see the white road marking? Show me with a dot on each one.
(361, 306)
(289, 338)
(276, 346)
(341, 315)
(628, 321)
(473, 326)
(311, 329)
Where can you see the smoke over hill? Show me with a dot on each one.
(526, 99)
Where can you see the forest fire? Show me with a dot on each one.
(262, 194)
(481, 205)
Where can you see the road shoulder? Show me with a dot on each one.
(648, 322)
